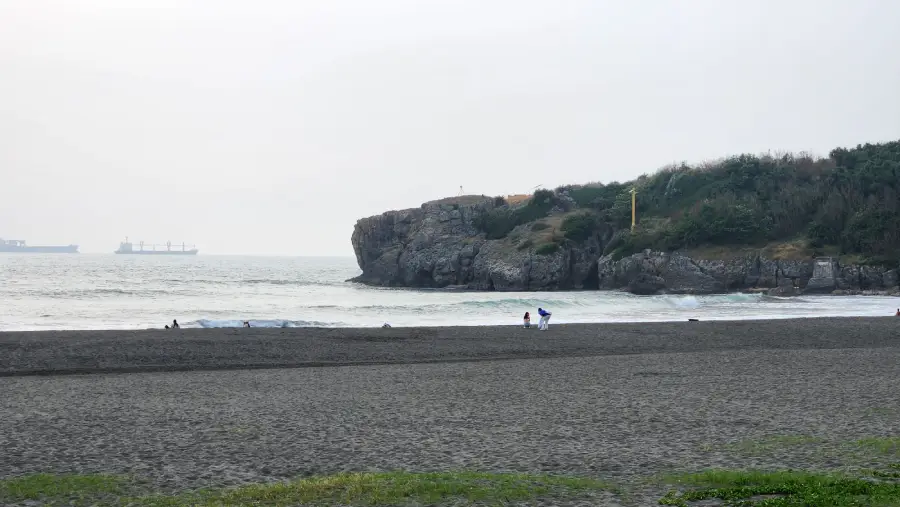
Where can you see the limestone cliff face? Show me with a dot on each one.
(438, 245)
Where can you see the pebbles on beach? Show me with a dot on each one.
(811, 389)
(58, 352)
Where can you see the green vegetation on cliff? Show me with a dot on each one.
(503, 219)
(847, 203)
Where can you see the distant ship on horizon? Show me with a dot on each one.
(19, 246)
(126, 247)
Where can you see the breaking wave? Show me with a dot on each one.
(272, 323)
(740, 297)
(691, 302)
(471, 304)
(93, 293)
(253, 281)
(686, 302)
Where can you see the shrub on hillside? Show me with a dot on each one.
(718, 224)
(848, 202)
(547, 249)
(580, 226)
(596, 196)
(871, 231)
(499, 222)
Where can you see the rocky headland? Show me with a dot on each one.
(785, 226)
(439, 245)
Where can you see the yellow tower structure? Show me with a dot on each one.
(633, 207)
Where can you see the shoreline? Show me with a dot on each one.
(437, 308)
(48, 353)
(890, 292)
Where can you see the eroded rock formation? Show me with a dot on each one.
(439, 245)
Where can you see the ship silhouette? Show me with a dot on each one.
(19, 246)
(126, 247)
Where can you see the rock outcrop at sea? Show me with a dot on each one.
(439, 245)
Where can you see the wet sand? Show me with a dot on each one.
(66, 352)
(621, 401)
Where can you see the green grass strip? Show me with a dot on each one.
(772, 489)
(60, 487)
(364, 489)
(880, 445)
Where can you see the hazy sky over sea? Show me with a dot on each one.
(271, 126)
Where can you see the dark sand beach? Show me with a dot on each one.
(66, 352)
(620, 402)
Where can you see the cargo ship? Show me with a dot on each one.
(126, 247)
(19, 246)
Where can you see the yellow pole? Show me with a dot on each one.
(633, 201)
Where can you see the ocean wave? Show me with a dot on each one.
(486, 304)
(270, 323)
(92, 293)
(107, 292)
(740, 297)
(253, 281)
(275, 281)
(686, 302)
(551, 300)
(124, 292)
(691, 302)
(784, 299)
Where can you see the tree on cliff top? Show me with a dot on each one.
(848, 202)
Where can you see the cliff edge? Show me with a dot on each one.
(787, 225)
(440, 245)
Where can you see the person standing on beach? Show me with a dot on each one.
(544, 323)
(175, 324)
(527, 320)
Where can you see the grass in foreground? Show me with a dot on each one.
(886, 446)
(865, 451)
(771, 489)
(370, 489)
(772, 443)
(61, 489)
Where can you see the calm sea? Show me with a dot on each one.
(105, 291)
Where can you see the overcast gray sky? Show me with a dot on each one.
(271, 126)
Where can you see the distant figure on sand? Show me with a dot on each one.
(544, 323)
(175, 324)
(527, 319)
(167, 326)
(898, 313)
(246, 323)
(385, 326)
